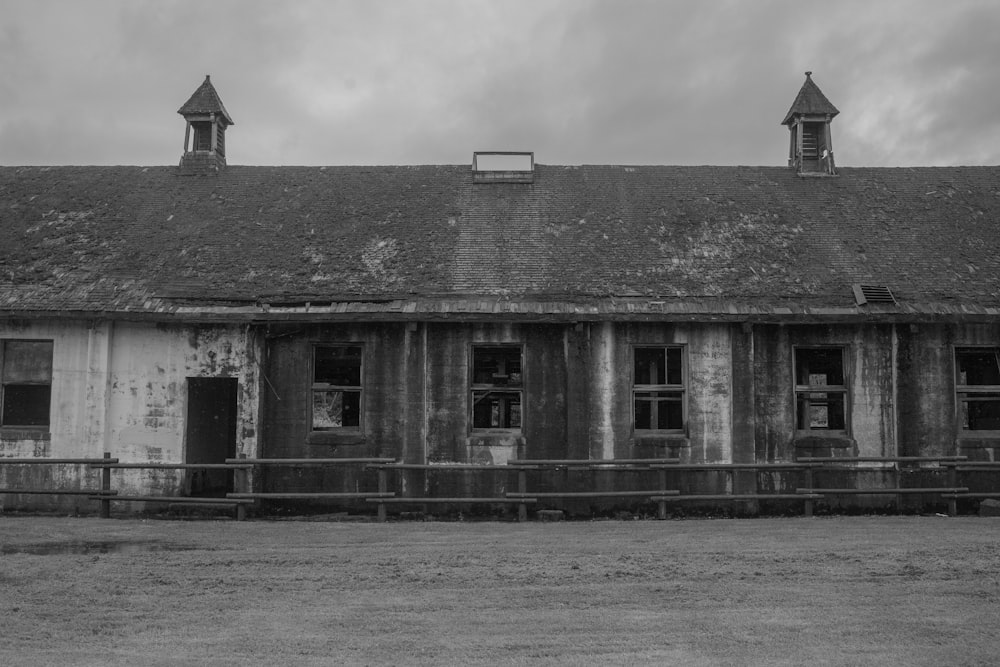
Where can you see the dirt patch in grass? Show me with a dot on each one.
(823, 591)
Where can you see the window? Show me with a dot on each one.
(25, 382)
(658, 388)
(820, 389)
(497, 387)
(977, 384)
(336, 389)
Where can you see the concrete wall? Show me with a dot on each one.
(870, 382)
(146, 393)
(577, 392)
(926, 385)
(121, 387)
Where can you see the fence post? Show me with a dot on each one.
(240, 482)
(522, 487)
(383, 486)
(661, 506)
(808, 511)
(898, 465)
(106, 489)
(953, 483)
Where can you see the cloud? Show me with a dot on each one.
(577, 81)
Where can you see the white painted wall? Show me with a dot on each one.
(121, 387)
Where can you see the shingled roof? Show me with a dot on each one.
(810, 101)
(646, 241)
(205, 100)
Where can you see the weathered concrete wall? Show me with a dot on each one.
(449, 436)
(121, 387)
(146, 402)
(392, 422)
(393, 382)
(417, 392)
(78, 368)
(870, 383)
(928, 419)
(708, 391)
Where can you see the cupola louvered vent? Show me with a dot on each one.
(864, 294)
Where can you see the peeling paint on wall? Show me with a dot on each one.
(606, 377)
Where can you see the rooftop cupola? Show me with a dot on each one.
(810, 149)
(205, 134)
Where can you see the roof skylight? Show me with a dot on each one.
(503, 167)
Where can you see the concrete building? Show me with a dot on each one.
(503, 310)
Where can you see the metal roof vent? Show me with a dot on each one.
(503, 167)
(864, 294)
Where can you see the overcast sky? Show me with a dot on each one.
(323, 82)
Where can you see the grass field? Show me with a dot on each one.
(822, 591)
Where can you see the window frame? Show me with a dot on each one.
(317, 387)
(803, 390)
(3, 385)
(967, 390)
(475, 387)
(664, 387)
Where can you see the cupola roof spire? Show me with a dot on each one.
(204, 101)
(810, 148)
(810, 101)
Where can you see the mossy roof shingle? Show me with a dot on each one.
(125, 239)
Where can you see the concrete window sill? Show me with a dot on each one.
(11, 434)
(662, 440)
(336, 438)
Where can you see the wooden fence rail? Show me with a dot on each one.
(894, 465)
(733, 496)
(104, 492)
(952, 490)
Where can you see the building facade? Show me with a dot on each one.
(511, 310)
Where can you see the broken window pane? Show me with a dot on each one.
(496, 366)
(338, 366)
(497, 378)
(820, 368)
(977, 371)
(821, 412)
(981, 412)
(336, 398)
(978, 366)
(494, 409)
(336, 409)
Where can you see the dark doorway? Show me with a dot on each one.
(211, 433)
